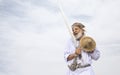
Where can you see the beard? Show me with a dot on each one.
(78, 36)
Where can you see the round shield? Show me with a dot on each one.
(87, 43)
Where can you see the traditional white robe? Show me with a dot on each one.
(85, 59)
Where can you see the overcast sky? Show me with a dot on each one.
(33, 35)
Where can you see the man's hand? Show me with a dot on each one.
(78, 51)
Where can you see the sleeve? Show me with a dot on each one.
(95, 55)
(67, 51)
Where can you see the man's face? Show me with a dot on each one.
(76, 30)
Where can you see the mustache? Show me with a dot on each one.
(75, 33)
(78, 35)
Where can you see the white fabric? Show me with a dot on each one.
(86, 59)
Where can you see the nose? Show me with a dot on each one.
(75, 31)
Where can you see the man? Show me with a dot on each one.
(82, 57)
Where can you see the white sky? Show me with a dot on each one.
(33, 35)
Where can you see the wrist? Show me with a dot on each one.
(75, 55)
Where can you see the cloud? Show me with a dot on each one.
(106, 22)
(25, 30)
(80, 7)
(30, 16)
(11, 8)
(33, 34)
